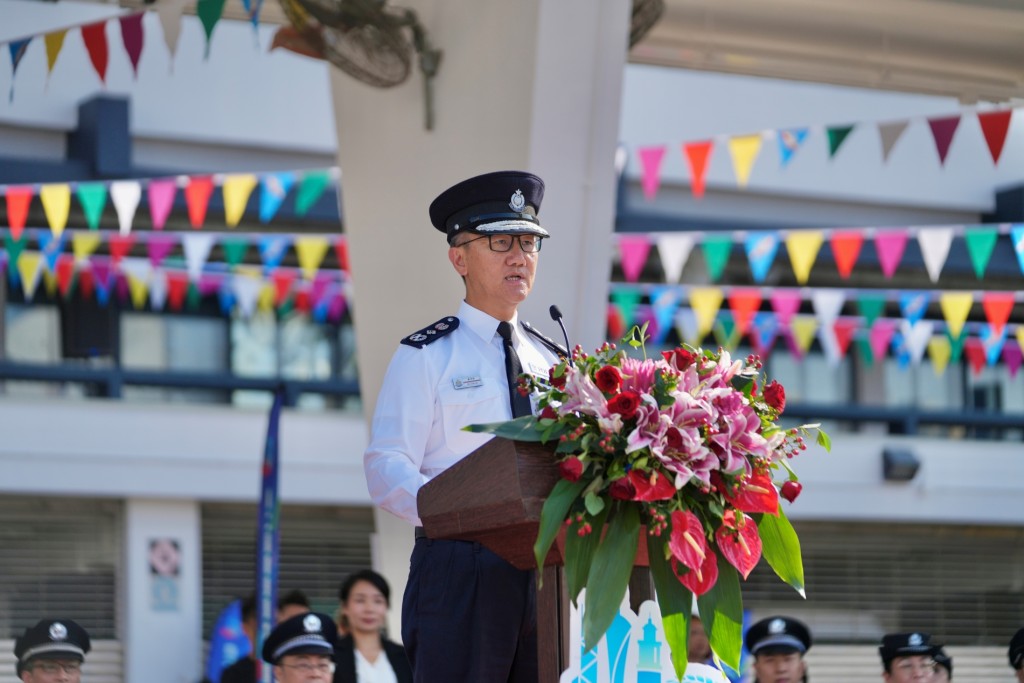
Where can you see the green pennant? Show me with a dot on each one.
(980, 243)
(871, 306)
(626, 300)
(716, 255)
(193, 298)
(14, 249)
(312, 186)
(836, 137)
(234, 250)
(957, 345)
(93, 198)
(726, 334)
(864, 351)
(209, 12)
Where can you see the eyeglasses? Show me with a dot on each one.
(53, 667)
(502, 243)
(309, 668)
(916, 667)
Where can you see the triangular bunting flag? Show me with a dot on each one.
(177, 288)
(272, 250)
(744, 303)
(844, 329)
(93, 198)
(974, 351)
(15, 247)
(56, 205)
(138, 271)
(997, 306)
(616, 326)
(274, 188)
(915, 338)
(54, 44)
(890, 245)
(830, 347)
(161, 199)
(803, 328)
(246, 290)
(992, 341)
(650, 169)
(664, 302)
(341, 251)
(716, 254)
(30, 267)
(828, 304)
(789, 142)
(1012, 356)
(674, 250)
(942, 131)
(871, 307)
(725, 332)
(132, 36)
(939, 351)
(310, 252)
(785, 303)
(51, 246)
(761, 248)
(84, 244)
(126, 195)
(633, 252)
(994, 125)
(158, 247)
(234, 250)
(1017, 239)
(283, 280)
(744, 150)
(18, 49)
(845, 250)
(236, 190)
(914, 304)
(312, 186)
(197, 250)
(956, 306)
(197, 194)
(890, 134)
(836, 137)
(980, 243)
(697, 155)
(65, 272)
(120, 245)
(705, 302)
(18, 200)
(158, 290)
(764, 331)
(95, 37)
(209, 12)
(687, 326)
(956, 345)
(935, 244)
(880, 336)
(803, 247)
(170, 12)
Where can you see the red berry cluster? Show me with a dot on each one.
(658, 522)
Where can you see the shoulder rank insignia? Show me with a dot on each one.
(431, 333)
(552, 346)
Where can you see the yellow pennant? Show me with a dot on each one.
(1020, 336)
(939, 350)
(804, 328)
(83, 244)
(29, 266)
(803, 249)
(54, 42)
(236, 189)
(265, 299)
(955, 308)
(744, 150)
(705, 302)
(49, 281)
(139, 289)
(311, 251)
(56, 205)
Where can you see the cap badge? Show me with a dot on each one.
(915, 639)
(518, 202)
(58, 631)
(777, 626)
(311, 623)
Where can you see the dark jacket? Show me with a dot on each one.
(242, 671)
(345, 659)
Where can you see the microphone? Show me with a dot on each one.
(556, 315)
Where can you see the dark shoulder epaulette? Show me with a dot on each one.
(553, 346)
(431, 333)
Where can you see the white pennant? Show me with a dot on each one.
(828, 304)
(197, 250)
(247, 291)
(916, 338)
(674, 251)
(687, 325)
(935, 243)
(829, 344)
(139, 268)
(158, 290)
(126, 195)
(170, 12)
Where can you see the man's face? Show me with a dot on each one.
(52, 671)
(915, 669)
(496, 282)
(941, 675)
(779, 667)
(698, 649)
(304, 669)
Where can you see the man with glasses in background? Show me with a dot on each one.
(52, 651)
(467, 615)
(301, 648)
(908, 657)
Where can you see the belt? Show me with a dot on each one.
(420, 533)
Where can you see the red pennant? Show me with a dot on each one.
(65, 272)
(616, 328)
(283, 280)
(18, 200)
(845, 250)
(974, 349)
(95, 37)
(942, 130)
(86, 284)
(844, 329)
(697, 154)
(341, 250)
(998, 306)
(177, 288)
(994, 125)
(744, 303)
(303, 301)
(197, 196)
(120, 245)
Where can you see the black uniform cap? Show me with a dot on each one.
(503, 202)
(310, 633)
(51, 639)
(1016, 651)
(944, 660)
(778, 634)
(906, 645)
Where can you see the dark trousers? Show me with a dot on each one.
(468, 616)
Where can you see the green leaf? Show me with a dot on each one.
(823, 440)
(552, 516)
(609, 574)
(721, 612)
(520, 429)
(780, 546)
(579, 555)
(594, 504)
(675, 602)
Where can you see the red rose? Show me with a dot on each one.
(622, 489)
(625, 404)
(791, 489)
(775, 396)
(556, 382)
(608, 379)
(571, 468)
(680, 358)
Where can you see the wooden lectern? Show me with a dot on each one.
(494, 496)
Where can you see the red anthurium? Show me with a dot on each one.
(687, 541)
(791, 489)
(755, 493)
(739, 541)
(699, 580)
(651, 485)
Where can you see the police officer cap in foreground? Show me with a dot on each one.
(49, 642)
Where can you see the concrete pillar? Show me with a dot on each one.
(163, 618)
(532, 85)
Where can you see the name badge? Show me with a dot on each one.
(467, 382)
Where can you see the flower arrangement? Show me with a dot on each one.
(685, 448)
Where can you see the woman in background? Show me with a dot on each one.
(365, 655)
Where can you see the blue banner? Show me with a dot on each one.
(268, 551)
(228, 643)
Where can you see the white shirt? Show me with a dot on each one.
(430, 394)
(378, 672)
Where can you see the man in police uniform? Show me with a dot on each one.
(778, 645)
(943, 667)
(467, 614)
(52, 650)
(908, 657)
(302, 648)
(1016, 654)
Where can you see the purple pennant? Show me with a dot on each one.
(101, 278)
(17, 48)
(159, 246)
(1012, 356)
(942, 130)
(133, 37)
(124, 294)
(320, 289)
(209, 283)
(337, 307)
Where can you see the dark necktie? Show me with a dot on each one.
(513, 368)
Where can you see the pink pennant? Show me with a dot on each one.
(998, 306)
(942, 130)
(890, 245)
(210, 283)
(785, 303)
(132, 37)
(159, 247)
(1012, 356)
(95, 37)
(633, 251)
(650, 164)
(161, 199)
(101, 273)
(320, 287)
(880, 336)
(697, 154)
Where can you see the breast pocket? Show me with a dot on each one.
(476, 405)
